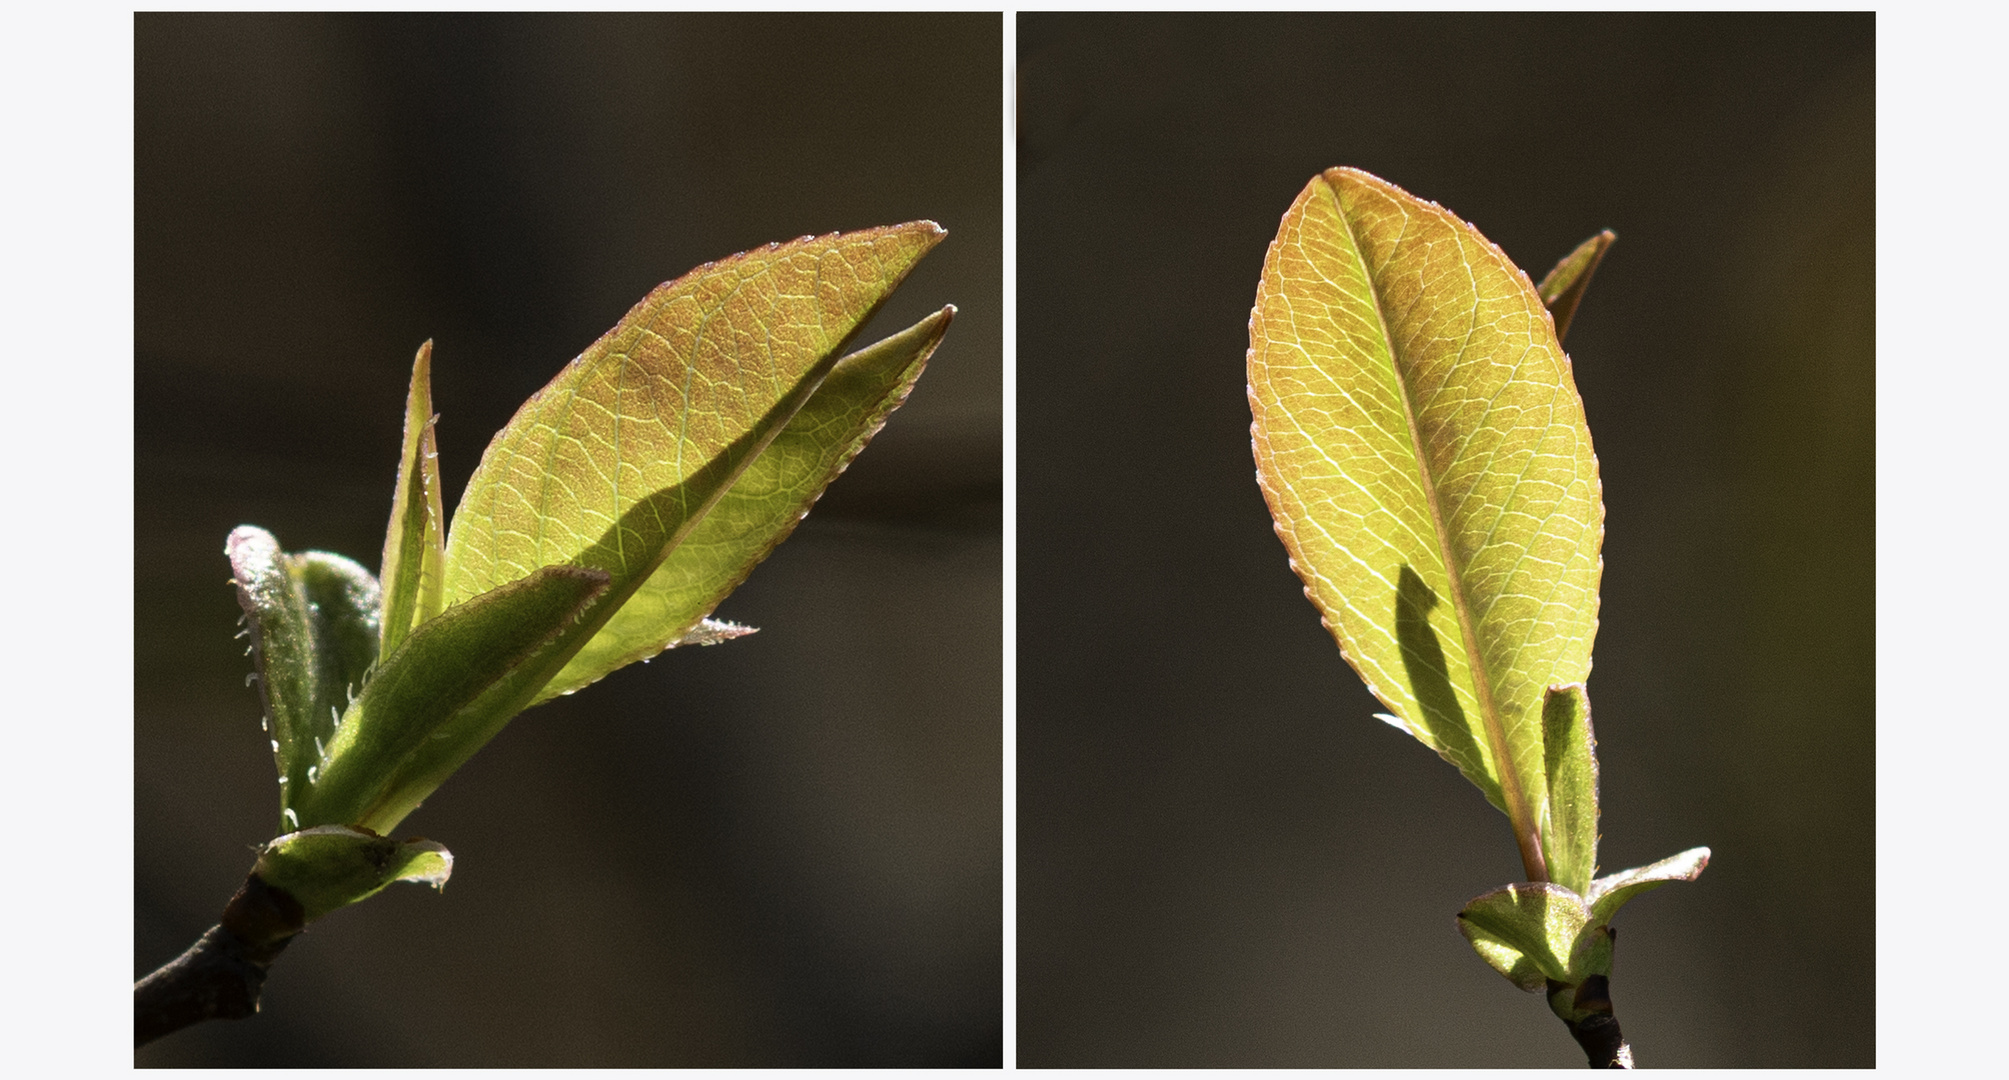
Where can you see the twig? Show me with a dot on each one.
(1586, 1010)
(221, 975)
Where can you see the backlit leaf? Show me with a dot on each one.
(611, 464)
(1422, 447)
(761, 508)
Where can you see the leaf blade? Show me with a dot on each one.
(671, 390)
(453, 684)
(414, 563)
(1444, 514)
(762, 507)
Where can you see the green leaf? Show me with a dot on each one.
(1422, 447)
(1562, 288)
(331, 866)
(1528, 932)
(761, 508)
(1569, 829)
(1608, 894)
(414, 567)
(312, 620)
(448, 689)
(614, 462)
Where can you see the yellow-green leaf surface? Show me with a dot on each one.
(762, 507)
(1422, 447)
(414, 566)
(613, 462)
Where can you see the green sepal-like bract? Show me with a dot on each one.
(1538, 933)
(332, 866)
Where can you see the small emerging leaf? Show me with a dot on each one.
(1569, 828)
(312, 619)
(1528, 932)
(332, 866)
(1608, 894)
(452, 685)
(763, 505)
(1563, 287)
(1420, 442)
(414, 567)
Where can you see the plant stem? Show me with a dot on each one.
(221, 975)
(1586, 1010)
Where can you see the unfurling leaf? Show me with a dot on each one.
(332, 866)
(1569, 828)
(1562, 288)
(414, 566)
(1422, 447)
(312, 621)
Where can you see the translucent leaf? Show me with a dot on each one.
(331, 866)
(611, 464)
(312, 622)
(1422, 447)
(761, 508)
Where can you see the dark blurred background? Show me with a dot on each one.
(1222, 858)
(780, 851)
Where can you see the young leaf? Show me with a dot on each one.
(414, 567)
(312, 620)
(332, 866)
(447, 690)
(1569, 829)
(612, 463)
(1422, 447)
(1529, 933)
(1562, 288)
(1608, 894)
(762, 506)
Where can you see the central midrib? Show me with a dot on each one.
(1519, 811)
